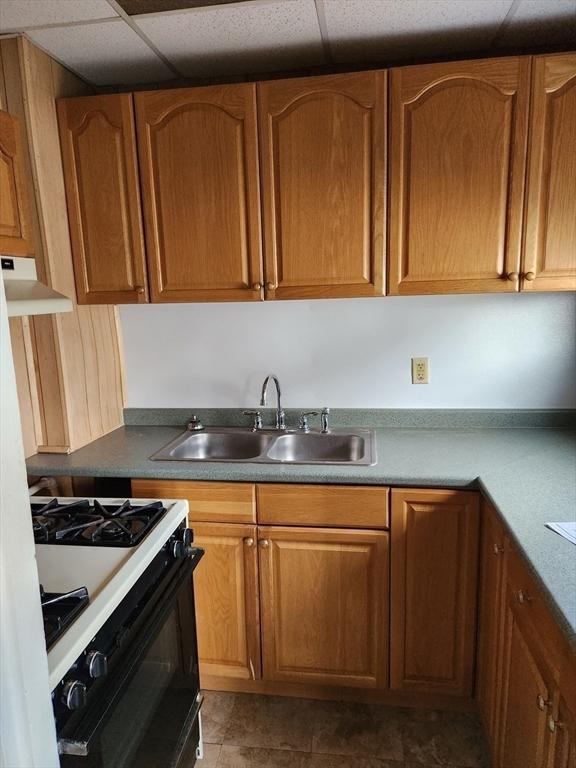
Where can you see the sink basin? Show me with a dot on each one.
(219, 446)
(231, 444)
(313, 448)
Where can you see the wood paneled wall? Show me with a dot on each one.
(68, 366)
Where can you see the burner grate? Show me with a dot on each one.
(79, 522)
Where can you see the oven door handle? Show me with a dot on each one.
(78, 744)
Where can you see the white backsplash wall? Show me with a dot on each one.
(488, 351)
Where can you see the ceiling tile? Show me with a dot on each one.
(104, 53)
(541, 22)
(16, 15)
(242, 37)
(381, 29)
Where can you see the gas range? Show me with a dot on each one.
(81, 522)
(120, 626)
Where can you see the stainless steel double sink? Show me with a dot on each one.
(271, 446)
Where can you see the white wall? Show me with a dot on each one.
(492, 351)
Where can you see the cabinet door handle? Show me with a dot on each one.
(523, 597)
(139, 288)
(553, 724)
(252, 671)
(271, 286)
(264, 543)
(542, 702)
(497, 549)
(249, 541)
(513, 276)
(529, 276)
(256, 286)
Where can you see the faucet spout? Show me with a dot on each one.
(280, 415)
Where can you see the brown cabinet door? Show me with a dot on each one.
(102, 192)
(457, 158)
(550, 235)
(323, 151)
(562, 737)
(199, 168)
(227, 612)
(491, 619)
(525, 694)
(15, 237)
(324, 603)
(434, 577)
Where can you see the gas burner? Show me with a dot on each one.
(59, 610)
(80, 522)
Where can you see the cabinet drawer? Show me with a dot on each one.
(208, 502)
(324, 505)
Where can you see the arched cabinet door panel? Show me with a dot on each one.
(458, 133)
(323, 158)
(98, 143)
(15, 237)
(549, 262)
(200, 188)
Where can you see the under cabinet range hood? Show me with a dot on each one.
(25, 294)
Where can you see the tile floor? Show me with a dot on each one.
(247, 731)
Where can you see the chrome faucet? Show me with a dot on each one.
(280, 415)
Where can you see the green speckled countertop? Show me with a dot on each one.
(528, 474)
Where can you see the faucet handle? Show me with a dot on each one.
(257, 419)
(303, 423)
(325, 420)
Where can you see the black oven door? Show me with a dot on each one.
(146, 714)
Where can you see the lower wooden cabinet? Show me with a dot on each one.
(490, 620)
(525, 697)
(227, 606)
(434, 573)
(562, 735)
(527, 681)
(324, 599)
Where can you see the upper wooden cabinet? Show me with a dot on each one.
(323, 156)
(434, 571)
(14, 211)
(458, 134)
(550, 235)
(103, 195)
(199, 172)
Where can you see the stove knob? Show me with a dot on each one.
(96, 664)
(179, 549)
(74, 694)
(186, 536)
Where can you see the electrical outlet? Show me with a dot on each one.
(419, 370)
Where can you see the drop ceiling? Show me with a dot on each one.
(126, 42)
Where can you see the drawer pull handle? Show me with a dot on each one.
(264, 543)
(249, 541)
(523, 597)
(542, 702)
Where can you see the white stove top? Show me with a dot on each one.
(107, 572)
